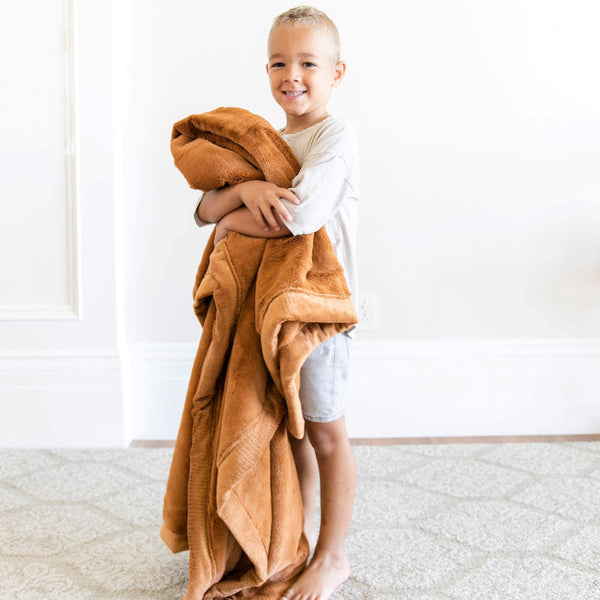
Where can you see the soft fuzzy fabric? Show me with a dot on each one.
(240, 144)
(233, 496)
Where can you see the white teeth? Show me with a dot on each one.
(293, 93)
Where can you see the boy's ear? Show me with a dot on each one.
(267, 68)
(338, 73)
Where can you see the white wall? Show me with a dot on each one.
(479, 127)
(60, 365)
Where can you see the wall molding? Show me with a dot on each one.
(434, 388)
(397, 390)
(71, 159)
(72, 309)
(60, 399)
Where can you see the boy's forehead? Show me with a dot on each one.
(304, 41)
(300, 54)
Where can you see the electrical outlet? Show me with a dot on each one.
(367, 312)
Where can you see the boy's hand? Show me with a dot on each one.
(262, 198)
(221, 231)
(242, 221)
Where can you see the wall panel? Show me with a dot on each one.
(38, 186)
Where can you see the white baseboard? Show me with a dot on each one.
(160, 375)
(396, 389)
(415, 389)
(61, 399)
(464, 388)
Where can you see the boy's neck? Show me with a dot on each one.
(298, 127)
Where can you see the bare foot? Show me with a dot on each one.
(320, 579)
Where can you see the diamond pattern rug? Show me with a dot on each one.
(442, 522)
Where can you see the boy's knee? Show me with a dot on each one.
(327, 437)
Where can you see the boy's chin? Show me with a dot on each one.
(292, 109)
(292, 113)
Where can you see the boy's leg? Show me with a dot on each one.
(329, 567)
(308, 474)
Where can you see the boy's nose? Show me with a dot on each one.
(291, 74)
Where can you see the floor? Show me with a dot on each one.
(432, 521)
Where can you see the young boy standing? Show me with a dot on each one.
(304, 65)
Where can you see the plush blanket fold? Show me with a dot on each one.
(232, 496)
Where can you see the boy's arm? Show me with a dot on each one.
(242, 221)
(328, 178)
(260, 197)
(215, 204)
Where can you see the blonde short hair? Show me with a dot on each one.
(308, 15)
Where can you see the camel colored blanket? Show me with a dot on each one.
(233, 497)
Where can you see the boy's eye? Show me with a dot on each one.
(309, 64)
(277, 64)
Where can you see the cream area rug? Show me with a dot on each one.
(444, 522)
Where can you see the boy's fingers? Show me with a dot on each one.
(283, 211)
(288, 195)
(270, 219)
(280, 206)
(265, 217)
(258, 217)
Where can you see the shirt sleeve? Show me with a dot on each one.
(324, 180)
(197, 219)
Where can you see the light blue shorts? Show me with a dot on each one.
(323, 380)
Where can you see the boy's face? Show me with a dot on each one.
(302, 70)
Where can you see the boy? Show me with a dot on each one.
(304, 65)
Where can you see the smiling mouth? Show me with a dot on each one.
(294, 94)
